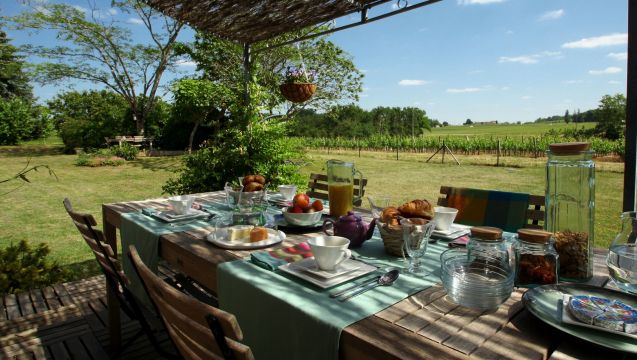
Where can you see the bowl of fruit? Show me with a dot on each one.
(303, 211)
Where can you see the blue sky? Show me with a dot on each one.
(505, 60)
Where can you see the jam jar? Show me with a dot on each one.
(487, 243)
(537, 261)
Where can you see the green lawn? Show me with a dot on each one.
(34, 211)
(512, 130)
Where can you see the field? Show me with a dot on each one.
(512, 130)
(34, 211)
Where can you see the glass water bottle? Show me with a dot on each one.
(570, 207)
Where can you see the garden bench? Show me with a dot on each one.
(317, 188)
(137, 141)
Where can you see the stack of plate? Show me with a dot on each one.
(476, 282)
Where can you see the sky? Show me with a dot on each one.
(484, 60)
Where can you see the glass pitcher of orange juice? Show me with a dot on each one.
(340, 186)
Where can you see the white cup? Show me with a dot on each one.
(329, 251)
(181, 204)
(288, 191)
(444, 217)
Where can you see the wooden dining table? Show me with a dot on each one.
(425, 325)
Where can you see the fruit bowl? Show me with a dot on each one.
(303, 218)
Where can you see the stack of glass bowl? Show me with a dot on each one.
(480, 282)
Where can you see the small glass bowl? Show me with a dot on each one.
(480, 283)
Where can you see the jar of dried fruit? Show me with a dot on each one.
(536, 259)
(570, 207)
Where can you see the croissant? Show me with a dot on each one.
(253, 186)
(390, 216)
(417, 208)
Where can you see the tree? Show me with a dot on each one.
(444, 123)
(199, 101)
(611, 114)
(103, 52)
(567, 117)
(222, 62)
(13, 80)
(468, 122)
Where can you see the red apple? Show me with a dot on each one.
(317, 205)
(295, 210)
(301, 200)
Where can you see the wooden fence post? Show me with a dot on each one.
(498, 161)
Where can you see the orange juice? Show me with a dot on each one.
(341, 196)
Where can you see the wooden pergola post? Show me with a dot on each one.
(630, 150)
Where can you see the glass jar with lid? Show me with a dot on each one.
(570, 207)
(536, 259)
(486, 242)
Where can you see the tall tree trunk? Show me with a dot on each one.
(192, 136)
(139, 122)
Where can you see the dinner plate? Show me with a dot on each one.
(546, 303)
(219, 237)
(300, 270)
(570, 319)
(172, 216)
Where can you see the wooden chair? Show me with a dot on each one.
(317, 188)
(199, 331)
(534, 214)
(116, 280)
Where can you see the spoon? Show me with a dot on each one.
(386, 279)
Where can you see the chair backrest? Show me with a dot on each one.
(534, 213)
(317, 188)
(198, 330)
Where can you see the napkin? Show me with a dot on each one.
(271, 260)
(459, 242)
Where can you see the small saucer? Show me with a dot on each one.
(341, 269)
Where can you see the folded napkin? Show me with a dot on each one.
(459, 242)
(271, 260)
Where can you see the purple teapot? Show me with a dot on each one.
(352, 227)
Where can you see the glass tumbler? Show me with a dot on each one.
(415, 239)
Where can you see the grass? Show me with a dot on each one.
(34, 211)
(502, 130)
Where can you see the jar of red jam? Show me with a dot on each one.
(537, 261)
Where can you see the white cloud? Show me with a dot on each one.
(478, 2)
(505, 88)
(614, 82)
(530, 59)
(412, 82)
(464, 90)
(608, 70)
(618, 56)
(526, 97)
(573, 82)
(185, 63)
(598, 41)
(551, 15)
(136, 21)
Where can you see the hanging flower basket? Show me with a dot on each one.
(297, 92)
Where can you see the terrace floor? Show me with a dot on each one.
(66, 321)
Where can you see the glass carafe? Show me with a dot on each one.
(340, 186)
(570, 207)
(622, 255)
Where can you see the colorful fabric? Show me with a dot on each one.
(505, 210)
(271, 260)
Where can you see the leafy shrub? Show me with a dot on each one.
(23, 267)
(126, 151)
(16, 122)
(101, 157)
(260, 149)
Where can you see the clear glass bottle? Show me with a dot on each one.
(537, 261)
(622, 255)
(487, 242)
(570, 207)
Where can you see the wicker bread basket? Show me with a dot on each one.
(297, 92)
(392, 236)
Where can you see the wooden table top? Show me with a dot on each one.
(425, 325)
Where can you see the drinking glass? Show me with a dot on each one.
(221, 224)
(233, 197)
(415, 239)
(377, 204)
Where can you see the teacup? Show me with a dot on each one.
(181, 204)
(288, 191)
(329, 251)
(444, 217)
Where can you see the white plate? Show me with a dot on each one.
(220, 238)
(172, 216)
(311, 266)
(300, 269)
(454, 231)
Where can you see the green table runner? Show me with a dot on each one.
(285, 317)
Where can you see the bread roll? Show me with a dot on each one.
(253, 186)
(390, 216)
(253, 178)
(417, 208)
(258, 233)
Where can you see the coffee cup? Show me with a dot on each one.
(288, 191)
(444, 217)
(329, 251)
(181, 204)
